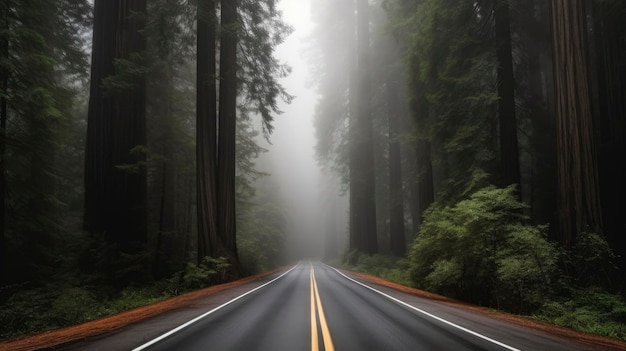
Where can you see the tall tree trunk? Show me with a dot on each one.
(128, 225)
(206, 132)
(609, 36)
(578, 200)
(98, 162)
(355, 229)
(115, 173)
(227, 128)
(364, 195)
(396, 199)
(4, 85)
(509, 153)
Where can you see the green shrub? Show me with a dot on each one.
(387, 267)
(26, 312)
(209, 272)
(484, 250)
(74, 305)
(590, 261)
(591, 310)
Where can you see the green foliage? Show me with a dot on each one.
(591, 261)
(260, 236)
(262, 30)
(58, 305)
(590, 310)
(483, 250)
(387, 267)
(209, 272)
(452, 84)
(46, 65)
(73, 305)
(65, 303)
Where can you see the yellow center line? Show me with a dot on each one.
(314, 338)
(328, 341)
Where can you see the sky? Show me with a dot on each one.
(292, 151)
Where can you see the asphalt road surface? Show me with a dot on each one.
(315, 307)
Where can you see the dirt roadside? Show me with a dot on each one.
(55, 338)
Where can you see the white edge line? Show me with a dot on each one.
(179, 328)
(429, 314)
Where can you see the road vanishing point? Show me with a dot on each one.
(312, 306)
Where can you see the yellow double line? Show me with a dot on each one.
(316, 309)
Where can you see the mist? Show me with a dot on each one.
(314, 209)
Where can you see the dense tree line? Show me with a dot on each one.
(111, 171)
(505, 108)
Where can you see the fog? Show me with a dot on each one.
(309, 196)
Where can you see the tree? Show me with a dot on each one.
(608, 84)
(4, 83)
(115, 174)
(396, 208)
(362, 178)
(42, 60)
(227, 127)
(402, 24)
(170, 110)
(509, 154)
(578, 199)
(206, 132)
(248, 72)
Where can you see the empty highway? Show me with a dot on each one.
(314, 307)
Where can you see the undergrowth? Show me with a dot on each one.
(60, 304)
(591, 310)
(394, 269)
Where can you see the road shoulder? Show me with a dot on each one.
(185, 304)
(593, 341)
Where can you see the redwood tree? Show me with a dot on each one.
(206, 131)
(362, 182)
(227, 127)
(115, 175)
(396, 199)
(509, 154)
(577, 175)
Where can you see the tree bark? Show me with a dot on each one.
(354, 227)
(509, 153)
(4, 84)
(362, 192)
(227, 128)
(206, 132)
(608, 57)
(128, 225)
(98, 162)
(577, 175)
(396, 199)
(115, 198)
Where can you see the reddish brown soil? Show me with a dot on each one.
(97, 327)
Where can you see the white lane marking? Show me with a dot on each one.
(179, 328)
(429, 314)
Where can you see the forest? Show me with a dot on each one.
(478, 145)
(481, 146)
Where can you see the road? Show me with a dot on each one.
(315, 307)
